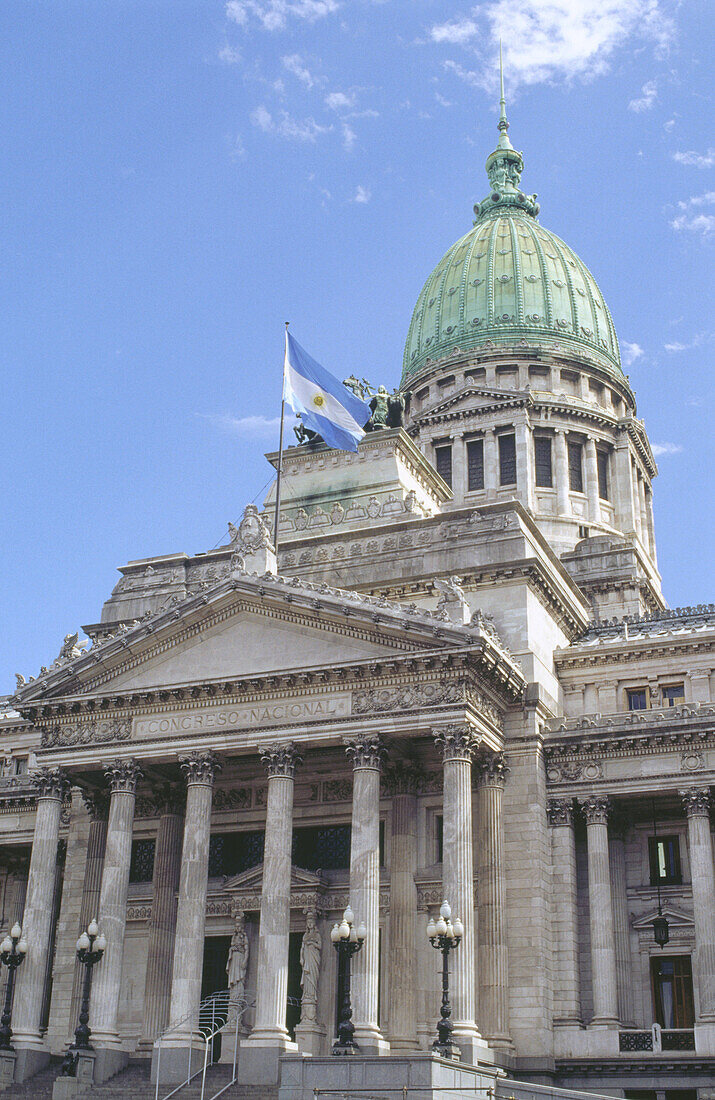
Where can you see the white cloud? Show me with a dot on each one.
(339, 101)
(693, 218)
(669, 125)
(244, 425)
(630, 352)
(646, 100)
(273, 15)
(696, 160)
(294, 64)
(362, 194)
(349, 137)
(695, 342)
(229, 54)
(660, 449)
(467, 75)
(551, 39)
(237, 149)
(442, 101)
(286, 126)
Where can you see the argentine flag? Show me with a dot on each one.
(323, 403)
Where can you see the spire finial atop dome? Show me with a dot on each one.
(504, 167)
(504, 142)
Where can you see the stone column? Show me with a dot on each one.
(525, 478)
(366, 753)
(458, 743)
(122, 777)
(567, 990)
(187, 969)
(97, 805)
(697, 802)
(269, 1038)
(493, 954)
(561, 469)
(651, 525)
(623, 486)
(403, 782)
(621, 923)
(591, 471)
(32, 1054)
(491, 463)
(162, 928)
(635, 483)
(603, 944)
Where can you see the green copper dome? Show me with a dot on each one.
(510, 281)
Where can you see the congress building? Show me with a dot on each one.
(455, 677)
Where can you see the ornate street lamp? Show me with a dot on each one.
(90, 947)
(347, 940)
(12, 952)
(445, 936)
(661, 932)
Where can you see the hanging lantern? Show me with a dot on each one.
(661, 934)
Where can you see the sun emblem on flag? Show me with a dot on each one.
(318, 400)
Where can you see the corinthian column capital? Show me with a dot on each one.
(50, 783)
(366, 751)
(403, 777)
(697, 801)
(559, 811)
(595, 808)
(96, 804)
(492, 770)
(123, 775)
(199, 768)
(457, 741)
(281, 759)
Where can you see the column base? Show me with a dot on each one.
(401, 1043)
(605, 1023)
(501, 1043)
(108, 1061)
(176, 1061)
(474, 1049)
(310, 1038)
(370, 1040)
(259, 1056)
(7, 1068)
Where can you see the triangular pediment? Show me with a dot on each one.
(244, 627)
(252, 880)
(477, 398)
(676, 918)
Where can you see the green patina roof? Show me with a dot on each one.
(509, 280)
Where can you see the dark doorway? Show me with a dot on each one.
(294, 975)
(213, 979)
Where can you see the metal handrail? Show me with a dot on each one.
(211, 1017)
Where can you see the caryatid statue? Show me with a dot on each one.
(310, 950)
(237, 964)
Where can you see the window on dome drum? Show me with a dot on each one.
(664, 859)
(672, 982)
(542, 461)
(475, 465)
(507, 460)
(443, 462)
(602, 464)
(575, 467)
(637, 698)
(673, 695)
(141, 868)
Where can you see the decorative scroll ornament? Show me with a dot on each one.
(365, 751)
(96, 803)
(458, 742)
(595, 809)
(559, 811)
(696, 801)
(281, 759)
(50, 783)
(199, 768)
(101, 731)
(492, 770)
(123, 775)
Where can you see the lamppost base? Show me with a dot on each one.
(447, 1050)
(7, 1068)
(344, 1048)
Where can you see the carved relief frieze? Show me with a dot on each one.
(571, 771)
(96, 732)
(410, 697)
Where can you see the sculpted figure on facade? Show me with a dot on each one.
(310, 950)
(237, 965)
(253, 550)
(452, 600)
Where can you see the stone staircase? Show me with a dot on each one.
(133, 1084)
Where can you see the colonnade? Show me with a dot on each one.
(610, 986)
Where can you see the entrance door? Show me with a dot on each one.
(294, 975)
(214, 977)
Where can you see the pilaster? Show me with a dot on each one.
(697, 802)
(403, 782)
(493, 954)
(603, 945)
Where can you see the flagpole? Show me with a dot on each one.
(280, 450)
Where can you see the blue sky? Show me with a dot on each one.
(180, 178)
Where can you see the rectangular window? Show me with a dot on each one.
(674, 695)
(439, 836)
(475, 465)
(507, 460)
(322, 847)
(637, 698)
(542, 462)
(575, 467)
(664, 858)
(673, 991)
(141, 868)
(602, 463)
(443, 462)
